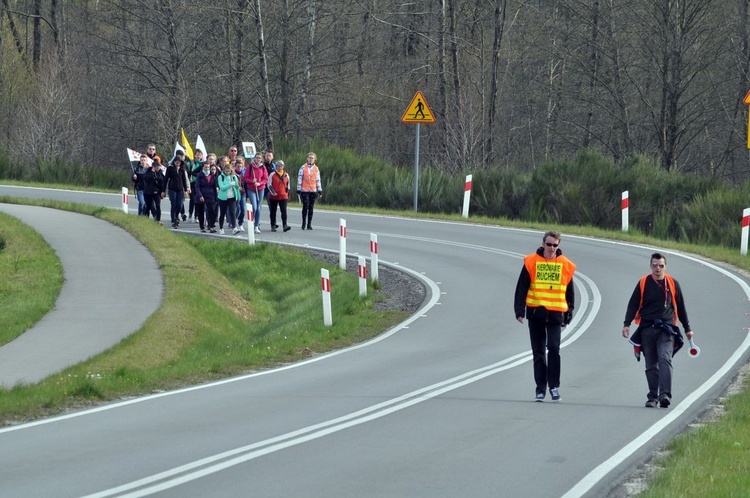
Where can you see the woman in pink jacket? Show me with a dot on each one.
(256, 179)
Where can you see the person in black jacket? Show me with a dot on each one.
(153, 189)
(177, 183)
(205, 196)
(656, 305)
(138, 173)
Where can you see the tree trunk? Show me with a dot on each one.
(499, 24)
(285, 90)
(304, 86)
(37, 50)
(265, 91)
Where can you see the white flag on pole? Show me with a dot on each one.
(134, 155)
(200, 145)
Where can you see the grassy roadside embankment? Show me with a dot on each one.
(175, 349)
(30, 277)
(228, 308)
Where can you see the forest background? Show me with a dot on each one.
(555, 106)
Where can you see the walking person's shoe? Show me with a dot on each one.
(257, 229)
(309, 226)
(221, 231)
(651, 403)
(241, 228)
(554, 394)
(664, 401)
(203, 230)
(273, 228)
(303, 226)
(287, 228)
(235, 230)
(184, 218)
(539, 397)
(212, 230)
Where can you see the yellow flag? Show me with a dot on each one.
(186, 144)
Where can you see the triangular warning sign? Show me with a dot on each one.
(746, 100)
(418, 111)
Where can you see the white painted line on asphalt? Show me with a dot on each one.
(600, 472)
(210, 465)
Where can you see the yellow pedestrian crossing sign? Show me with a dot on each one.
(418, 111)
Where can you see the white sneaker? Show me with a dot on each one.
(235, 230)
(242, 229)
(221, 231)
(257, 229)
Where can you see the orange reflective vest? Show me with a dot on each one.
(549, 281)
(670, 286)
(310, 177)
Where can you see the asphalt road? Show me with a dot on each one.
(439, 407)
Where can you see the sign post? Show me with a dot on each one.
(418, 112)
(746, 101)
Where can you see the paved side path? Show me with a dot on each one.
(112, 285)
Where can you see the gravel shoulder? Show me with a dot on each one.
(398, 291)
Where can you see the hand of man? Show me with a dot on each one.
(626, 332)
(519, 319)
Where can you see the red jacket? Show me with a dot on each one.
(278, 186)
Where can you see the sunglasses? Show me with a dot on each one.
(657, 265)
(551, 245)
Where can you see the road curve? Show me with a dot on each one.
(112, 285)
(439, 407)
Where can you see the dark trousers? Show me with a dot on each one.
(228, 211)
(200, 214)
(177, 201)
(308, 203)
(153, 205)
(272, 205)
(211, 208)
(545, 347)
(657, 346)
(191, 204)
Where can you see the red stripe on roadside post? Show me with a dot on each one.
(625, 203)
(745, 221)
(325, 284)
(342, 230)
(467, 186)
(362, 271)
(373, 247)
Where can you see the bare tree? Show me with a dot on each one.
(305, 83)
(265, 93)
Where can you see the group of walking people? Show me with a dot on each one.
(219, 188)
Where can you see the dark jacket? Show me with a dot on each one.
(205, 186)
(177, 178)
(540, 313)
(153, 182)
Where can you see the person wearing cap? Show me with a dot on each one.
(278, 195)
(656, 305)
(545, 295)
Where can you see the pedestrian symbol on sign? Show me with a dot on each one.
(418, 111)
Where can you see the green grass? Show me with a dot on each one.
(713, 460)
(30, 278)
